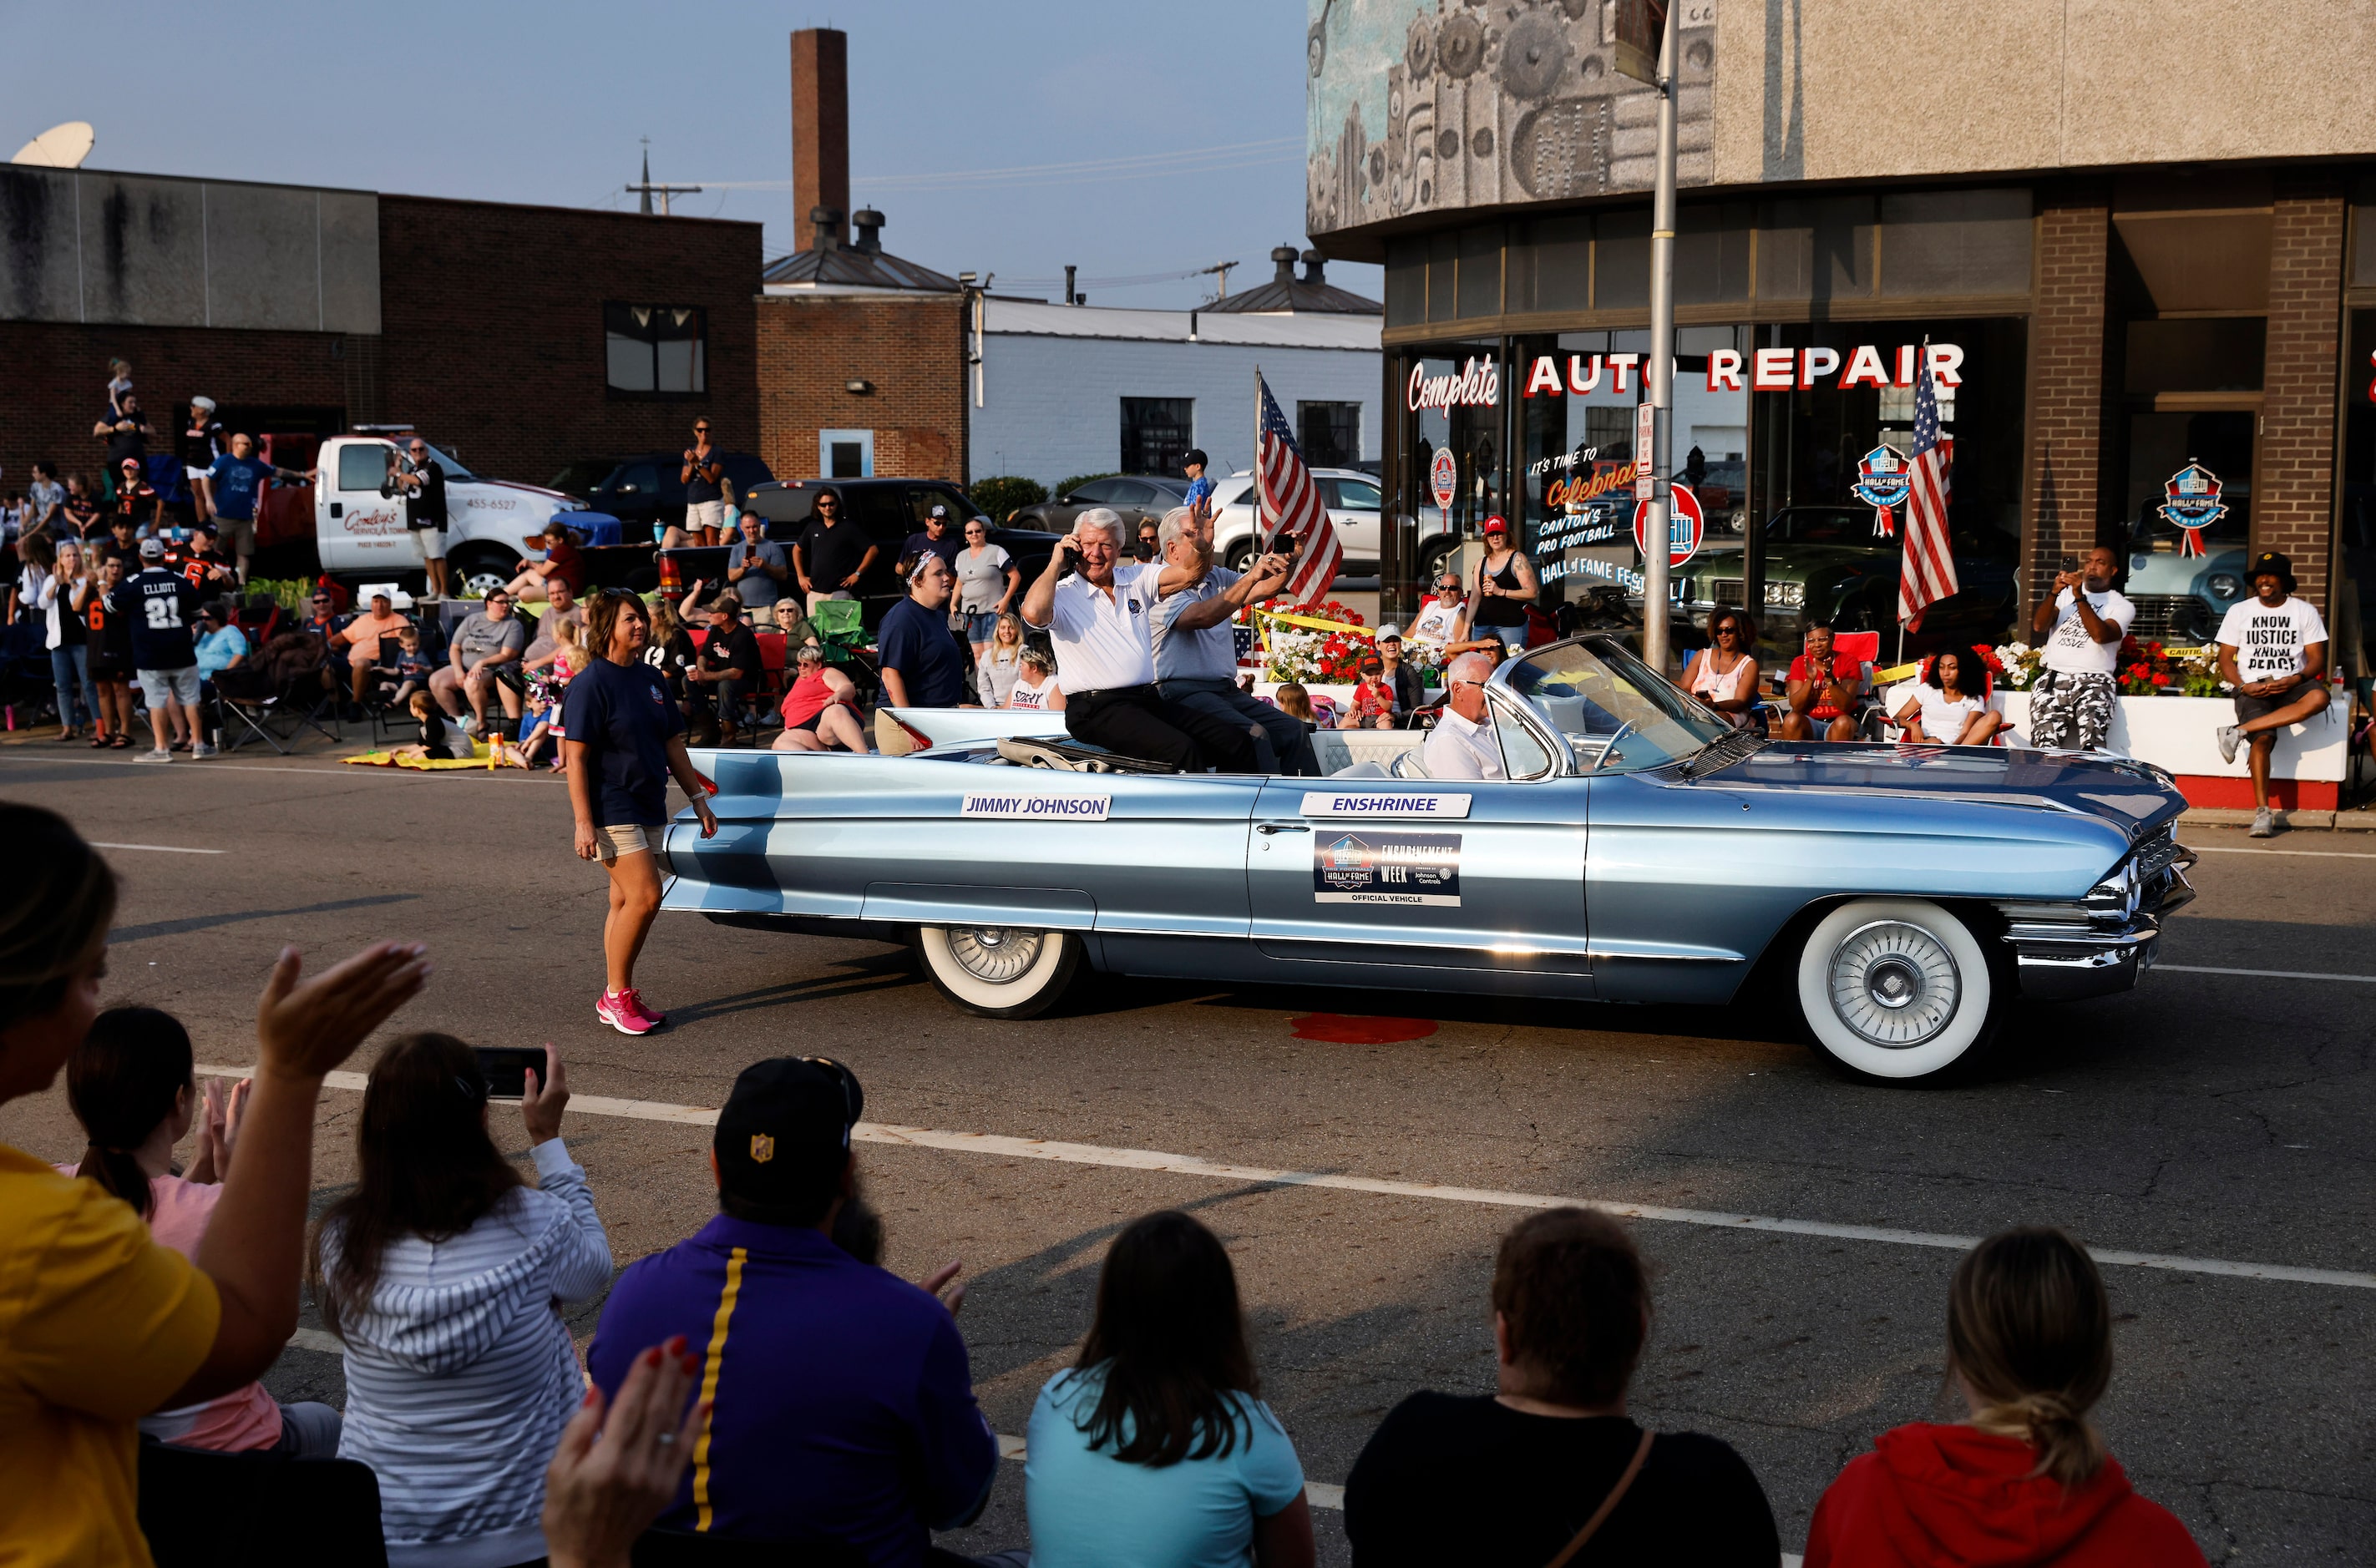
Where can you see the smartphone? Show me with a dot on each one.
(506, 1068)
(2071, 563)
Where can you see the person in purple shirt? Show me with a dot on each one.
(842, 1406)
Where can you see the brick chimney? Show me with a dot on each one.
(821, 128)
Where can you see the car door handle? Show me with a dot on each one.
(1283, 828)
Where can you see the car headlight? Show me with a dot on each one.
(1790, 596)
(2224, 585)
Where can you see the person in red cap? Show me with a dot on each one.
(1506, 586)
(2026, 1479)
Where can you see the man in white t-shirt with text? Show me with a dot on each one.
(1101, 621)
(1462, 744)
(2072, 701)
(1442, 619)
(2272, 652)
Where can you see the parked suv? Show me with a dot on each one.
(1353, 502)
(644, 491)
(886, 510)
(1138, 498)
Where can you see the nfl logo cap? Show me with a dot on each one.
(783, 1136)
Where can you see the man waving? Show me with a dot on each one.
(1101, 620)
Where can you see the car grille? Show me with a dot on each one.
(2162, 616)
(1727, 590)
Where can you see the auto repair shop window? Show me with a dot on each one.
(1156, 434)
(1330, 433)
(657, 350)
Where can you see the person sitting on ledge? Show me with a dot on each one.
(2273, 651)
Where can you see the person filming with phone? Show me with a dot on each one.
(439, 1269)
(2071, 705)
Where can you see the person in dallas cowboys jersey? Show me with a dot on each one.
(2272, 652)
(2072, 705)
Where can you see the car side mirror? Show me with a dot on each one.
(1063, 501)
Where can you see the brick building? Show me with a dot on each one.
(2133, 281)
(861, 354)
(518, 338)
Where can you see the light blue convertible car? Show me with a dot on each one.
(1640, 850)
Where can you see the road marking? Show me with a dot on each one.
(212, 765)
(2261, 974)
(2307, 854)
(157, 849)
(1001, 1147)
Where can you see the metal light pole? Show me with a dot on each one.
(1655, 573)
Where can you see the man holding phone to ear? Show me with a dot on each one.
(2072, 705)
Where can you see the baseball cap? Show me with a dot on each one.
(206, 403)
(940, 513)
(152, 549)
(1194, 455)
(1495, 525)
(1390, 633)
(1372, 661)
(783, 1136)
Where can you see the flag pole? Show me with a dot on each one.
(1254, 466)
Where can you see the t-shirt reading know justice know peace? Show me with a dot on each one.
(2270, 644)
(2071, 649)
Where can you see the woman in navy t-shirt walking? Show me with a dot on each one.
(625, 738)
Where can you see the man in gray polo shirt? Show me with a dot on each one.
(1197, 657)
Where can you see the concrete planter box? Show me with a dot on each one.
(2305, 774)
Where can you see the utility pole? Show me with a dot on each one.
(650, 190)
(1222, 269)
(1655, 572)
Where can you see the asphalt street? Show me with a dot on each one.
(2214, 1118)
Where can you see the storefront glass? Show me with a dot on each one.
(1451, 398)
(1819, 549)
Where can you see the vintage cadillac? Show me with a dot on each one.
(1640, 849)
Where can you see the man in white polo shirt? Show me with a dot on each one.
(1197, 653)
(1101, 621)
(1462, 746)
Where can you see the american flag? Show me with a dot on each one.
(1929, 573)
(1291, 505)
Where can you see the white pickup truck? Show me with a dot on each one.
(358, 534)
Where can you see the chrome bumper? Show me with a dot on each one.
(2066, 952)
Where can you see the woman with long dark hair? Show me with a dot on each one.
(1156, 1448)
(1949, 706)
(132, 1086)
(2026, 1479)
(1724, 673)
(102, 1323)
(440, 1270)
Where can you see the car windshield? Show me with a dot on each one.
(453, 469)
(1616, 714)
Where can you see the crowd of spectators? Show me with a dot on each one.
(836, 1409)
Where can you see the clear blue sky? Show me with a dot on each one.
(534, 101)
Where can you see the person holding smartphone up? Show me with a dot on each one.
(2071, 703)
(705, 494)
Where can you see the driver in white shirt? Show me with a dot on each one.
(1462, 744)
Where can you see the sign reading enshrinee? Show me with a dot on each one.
(1382, 803)
(1040, 808)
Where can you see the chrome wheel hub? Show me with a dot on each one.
(994, 953)
(1895, 984)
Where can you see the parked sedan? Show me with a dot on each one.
(644, 491)
(1138, 498)
(1899, 896)
(1825, 563)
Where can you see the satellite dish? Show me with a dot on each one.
(60, 146)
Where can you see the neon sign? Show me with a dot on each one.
(1479, 384)
(1729, 370)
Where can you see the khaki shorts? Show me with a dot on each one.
(236, 535)
(614, 844)
(705, 514)
(761, 616)
(430, 543)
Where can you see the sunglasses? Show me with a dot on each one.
(853, 1099)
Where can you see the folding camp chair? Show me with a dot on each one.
(203, 1509)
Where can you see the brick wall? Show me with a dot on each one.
(54, 386)
(2293, 493)
(493, 329)
(910, 348)
(491, 343)
(2062, 498)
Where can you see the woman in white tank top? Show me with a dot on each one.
(1035, 684)
(1724, 673)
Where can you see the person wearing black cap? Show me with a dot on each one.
(842, 1399)
(1199, 499)
(163, 610)
(2272, 653)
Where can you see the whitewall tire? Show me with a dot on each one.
(999, 971)
(1896, 988)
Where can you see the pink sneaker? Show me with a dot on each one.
(621, 1014)
(633, 1000)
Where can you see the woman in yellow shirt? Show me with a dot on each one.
(99, 1324)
